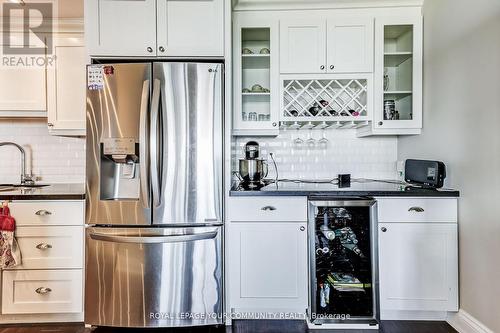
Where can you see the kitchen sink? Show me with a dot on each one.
(23, 185)
(11, 187)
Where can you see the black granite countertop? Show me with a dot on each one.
(50, 192)
(357, 188)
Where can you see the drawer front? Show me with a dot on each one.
(43, 291)
(417, 210)
(50, 247)
(287, 209)
(48, 212)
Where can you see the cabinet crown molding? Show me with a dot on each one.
(75, 25)
(320, 4)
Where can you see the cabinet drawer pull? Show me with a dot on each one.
(43, 290)
(43, 246)
(384, 229)
(268, 208)
(43, 212)
(302, 228)
(416, 209)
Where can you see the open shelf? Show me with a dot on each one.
(394, 59)
(255, 70)
(396, 95)
(256, 94)
(398, 71)
(255, 61)
(266, 55)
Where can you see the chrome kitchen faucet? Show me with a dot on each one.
(26, 178)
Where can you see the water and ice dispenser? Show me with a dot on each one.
(120, 166)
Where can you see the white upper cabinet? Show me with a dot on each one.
(23, 89)
(398, 73)
(350, 45)
(255, 75)
(66, 79)
(190, 28)
(302, 46)
(138, 28)
(121, 27)
(337, 45)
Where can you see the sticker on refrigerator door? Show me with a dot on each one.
(109, 70)
(95, 77)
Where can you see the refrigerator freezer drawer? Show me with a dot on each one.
(153, 277)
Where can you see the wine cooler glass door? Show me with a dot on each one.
(343, 261)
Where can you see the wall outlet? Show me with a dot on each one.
(400, 168)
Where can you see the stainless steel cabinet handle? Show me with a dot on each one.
(150, 49)
(50, 124)
(43, 290)
(322, 67)
(43, 246)
(380, 123)
(416, 209)
(384, 229)
(153, 239)
(302, 228)
(162, 49)
(332, 67)
(143, 147)
(43, 212)
(268, 208)
(275, 124)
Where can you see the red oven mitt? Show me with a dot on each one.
(7, 222)
(10, 254)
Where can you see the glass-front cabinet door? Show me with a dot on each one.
(256, 76)
(398, 73)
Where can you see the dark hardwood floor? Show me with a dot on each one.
(246, 326)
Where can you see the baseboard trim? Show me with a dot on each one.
(413, 315)
(463, 322)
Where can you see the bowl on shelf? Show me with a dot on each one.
(257, 88)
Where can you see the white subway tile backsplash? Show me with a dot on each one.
(373, 157)
(53, 159)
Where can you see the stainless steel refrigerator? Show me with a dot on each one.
(154, 194)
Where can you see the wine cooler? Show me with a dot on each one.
(343, 262)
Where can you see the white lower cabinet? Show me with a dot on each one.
(45, 291)
(48, 286)
(418, 260)
(267, 267)
(50, 247)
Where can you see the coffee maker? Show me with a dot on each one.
(252, 169)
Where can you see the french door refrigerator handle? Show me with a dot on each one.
(153, 239)
(143, 145)
(155, 112)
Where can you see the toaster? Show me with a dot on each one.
(430, 174)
